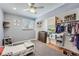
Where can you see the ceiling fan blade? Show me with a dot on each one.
(39, 7)
(31, 4)
(26, 9)
(32, 8)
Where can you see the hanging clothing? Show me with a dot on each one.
(77, 28)
(72, 38)
(75, 35)
(73, 30)
(77, 41)
(62, 28)
(69, 29)
(58, 28)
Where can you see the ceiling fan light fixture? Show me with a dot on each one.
(32, 10)
(29, 4)
(14, 8)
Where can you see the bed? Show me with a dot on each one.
(18, 49)
(38, 48)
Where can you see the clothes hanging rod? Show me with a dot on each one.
(71, 21)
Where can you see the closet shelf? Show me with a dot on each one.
(70, 46)
(6, 24)
(70, 21)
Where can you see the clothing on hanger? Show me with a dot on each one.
(73, 30)
(69, 29)
(77, 28)
(76, 41)
(59, 28)
(62, 28)
(72, 38)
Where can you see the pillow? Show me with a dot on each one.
(1, 50)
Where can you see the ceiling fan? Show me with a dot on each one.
(33, 8)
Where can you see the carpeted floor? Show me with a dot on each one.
(41, 49)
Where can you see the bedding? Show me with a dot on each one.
(14, 50)
(17, 49)
(1, 50)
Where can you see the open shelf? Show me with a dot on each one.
(6, 24)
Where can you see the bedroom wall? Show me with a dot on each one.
(60, 15)
(1, 26)
(15, 30)
(42, 28)
(62, 9)
(68, 13)
(60, 12)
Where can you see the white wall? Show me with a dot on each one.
(60, 10)
(1, 26)
(42, 28)
(16, 31)
(68, 13)
(60, 15)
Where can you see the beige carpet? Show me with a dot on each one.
(41, 49)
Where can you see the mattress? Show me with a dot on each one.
(14, 50)
(17, 49)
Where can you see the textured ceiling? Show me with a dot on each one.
(8, 8)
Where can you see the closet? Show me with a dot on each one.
(72, 36)
(55, 35)
(66, 34)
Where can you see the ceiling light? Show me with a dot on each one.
(14, 8)
(29, 4)
(32, 10)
